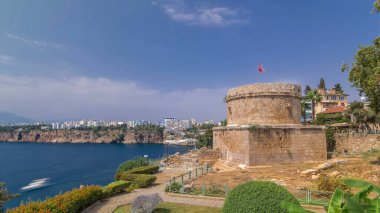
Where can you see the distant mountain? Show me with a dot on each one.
(7, 117)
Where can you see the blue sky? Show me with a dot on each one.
(149, 59)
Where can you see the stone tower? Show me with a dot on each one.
(263, 127)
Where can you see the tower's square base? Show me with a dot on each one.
(252, 145)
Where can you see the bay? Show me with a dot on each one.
(67, 165)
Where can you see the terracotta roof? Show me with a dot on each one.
(336, 109)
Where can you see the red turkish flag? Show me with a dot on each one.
(261, 68)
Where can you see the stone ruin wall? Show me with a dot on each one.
(192, 159)
(265, 145)
(264, 127)
(355, 143)
(264, 104)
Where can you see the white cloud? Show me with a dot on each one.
(204, 16)
(4, 59)
(101, 98)
(34, 43)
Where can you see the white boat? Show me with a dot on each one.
(36, 184)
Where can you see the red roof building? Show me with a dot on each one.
(332, 110)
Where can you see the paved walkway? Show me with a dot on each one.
(110, 204)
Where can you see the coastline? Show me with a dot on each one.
(82, 136)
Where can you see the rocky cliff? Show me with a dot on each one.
(81, 136)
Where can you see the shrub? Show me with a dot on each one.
(116, 187)
(140, 180)
(144, 180)
(257, 196)
(145, 203)
(144, 170)
(131, 164)
(127, 176)
(329, 184)
(73, 201)
(174, 187)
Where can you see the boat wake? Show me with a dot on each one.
(36, 184)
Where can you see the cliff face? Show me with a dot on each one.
(79, 136)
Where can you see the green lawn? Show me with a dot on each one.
(174, 207)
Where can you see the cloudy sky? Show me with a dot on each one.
(150, 59)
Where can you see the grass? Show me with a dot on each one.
(174, 207)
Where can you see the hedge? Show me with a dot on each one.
(70, 202)
(144, 170)
(131, 164)
(116, 187)
(138, 180)
(257, 196)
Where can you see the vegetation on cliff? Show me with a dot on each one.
(5, 196)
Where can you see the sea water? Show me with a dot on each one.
(47, 169)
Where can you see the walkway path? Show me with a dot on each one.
(110, 204)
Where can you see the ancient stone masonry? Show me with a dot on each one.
(264, 104)
(192, 159)
(264, 127)
(354, 143)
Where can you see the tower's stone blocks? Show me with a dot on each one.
(264, 127)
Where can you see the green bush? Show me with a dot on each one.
(174, 187)
(131, 164)
(138, 180)
(144, 180)
(329, 184)
(126, 176)
(144, 170)
(330, 139)
(70, 202)
(257, 196)
(116, 187)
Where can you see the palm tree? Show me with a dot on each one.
(314, 97)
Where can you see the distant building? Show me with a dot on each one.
(334, 110)
(331, 98)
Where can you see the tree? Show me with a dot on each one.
(364, 73)
(376, 6)
(5, 196)
(307, 89)
(314, 97)
(224, 122)
(205, 140)
(338, 88)
(359, 116)
(322, 84)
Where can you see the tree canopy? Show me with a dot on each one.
(338, 87)
(322, 84)
(5, 196)
(364, 73)
(307, 89)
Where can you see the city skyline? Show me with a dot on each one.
(168, 58)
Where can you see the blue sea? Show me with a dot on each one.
(67, 165)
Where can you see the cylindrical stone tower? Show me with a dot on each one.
(264, 104)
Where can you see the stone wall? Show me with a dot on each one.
(192, 159)
(264, 104)
(77, 136)
(261, 145)
(354, 143)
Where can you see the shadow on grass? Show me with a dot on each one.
(162, 210)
